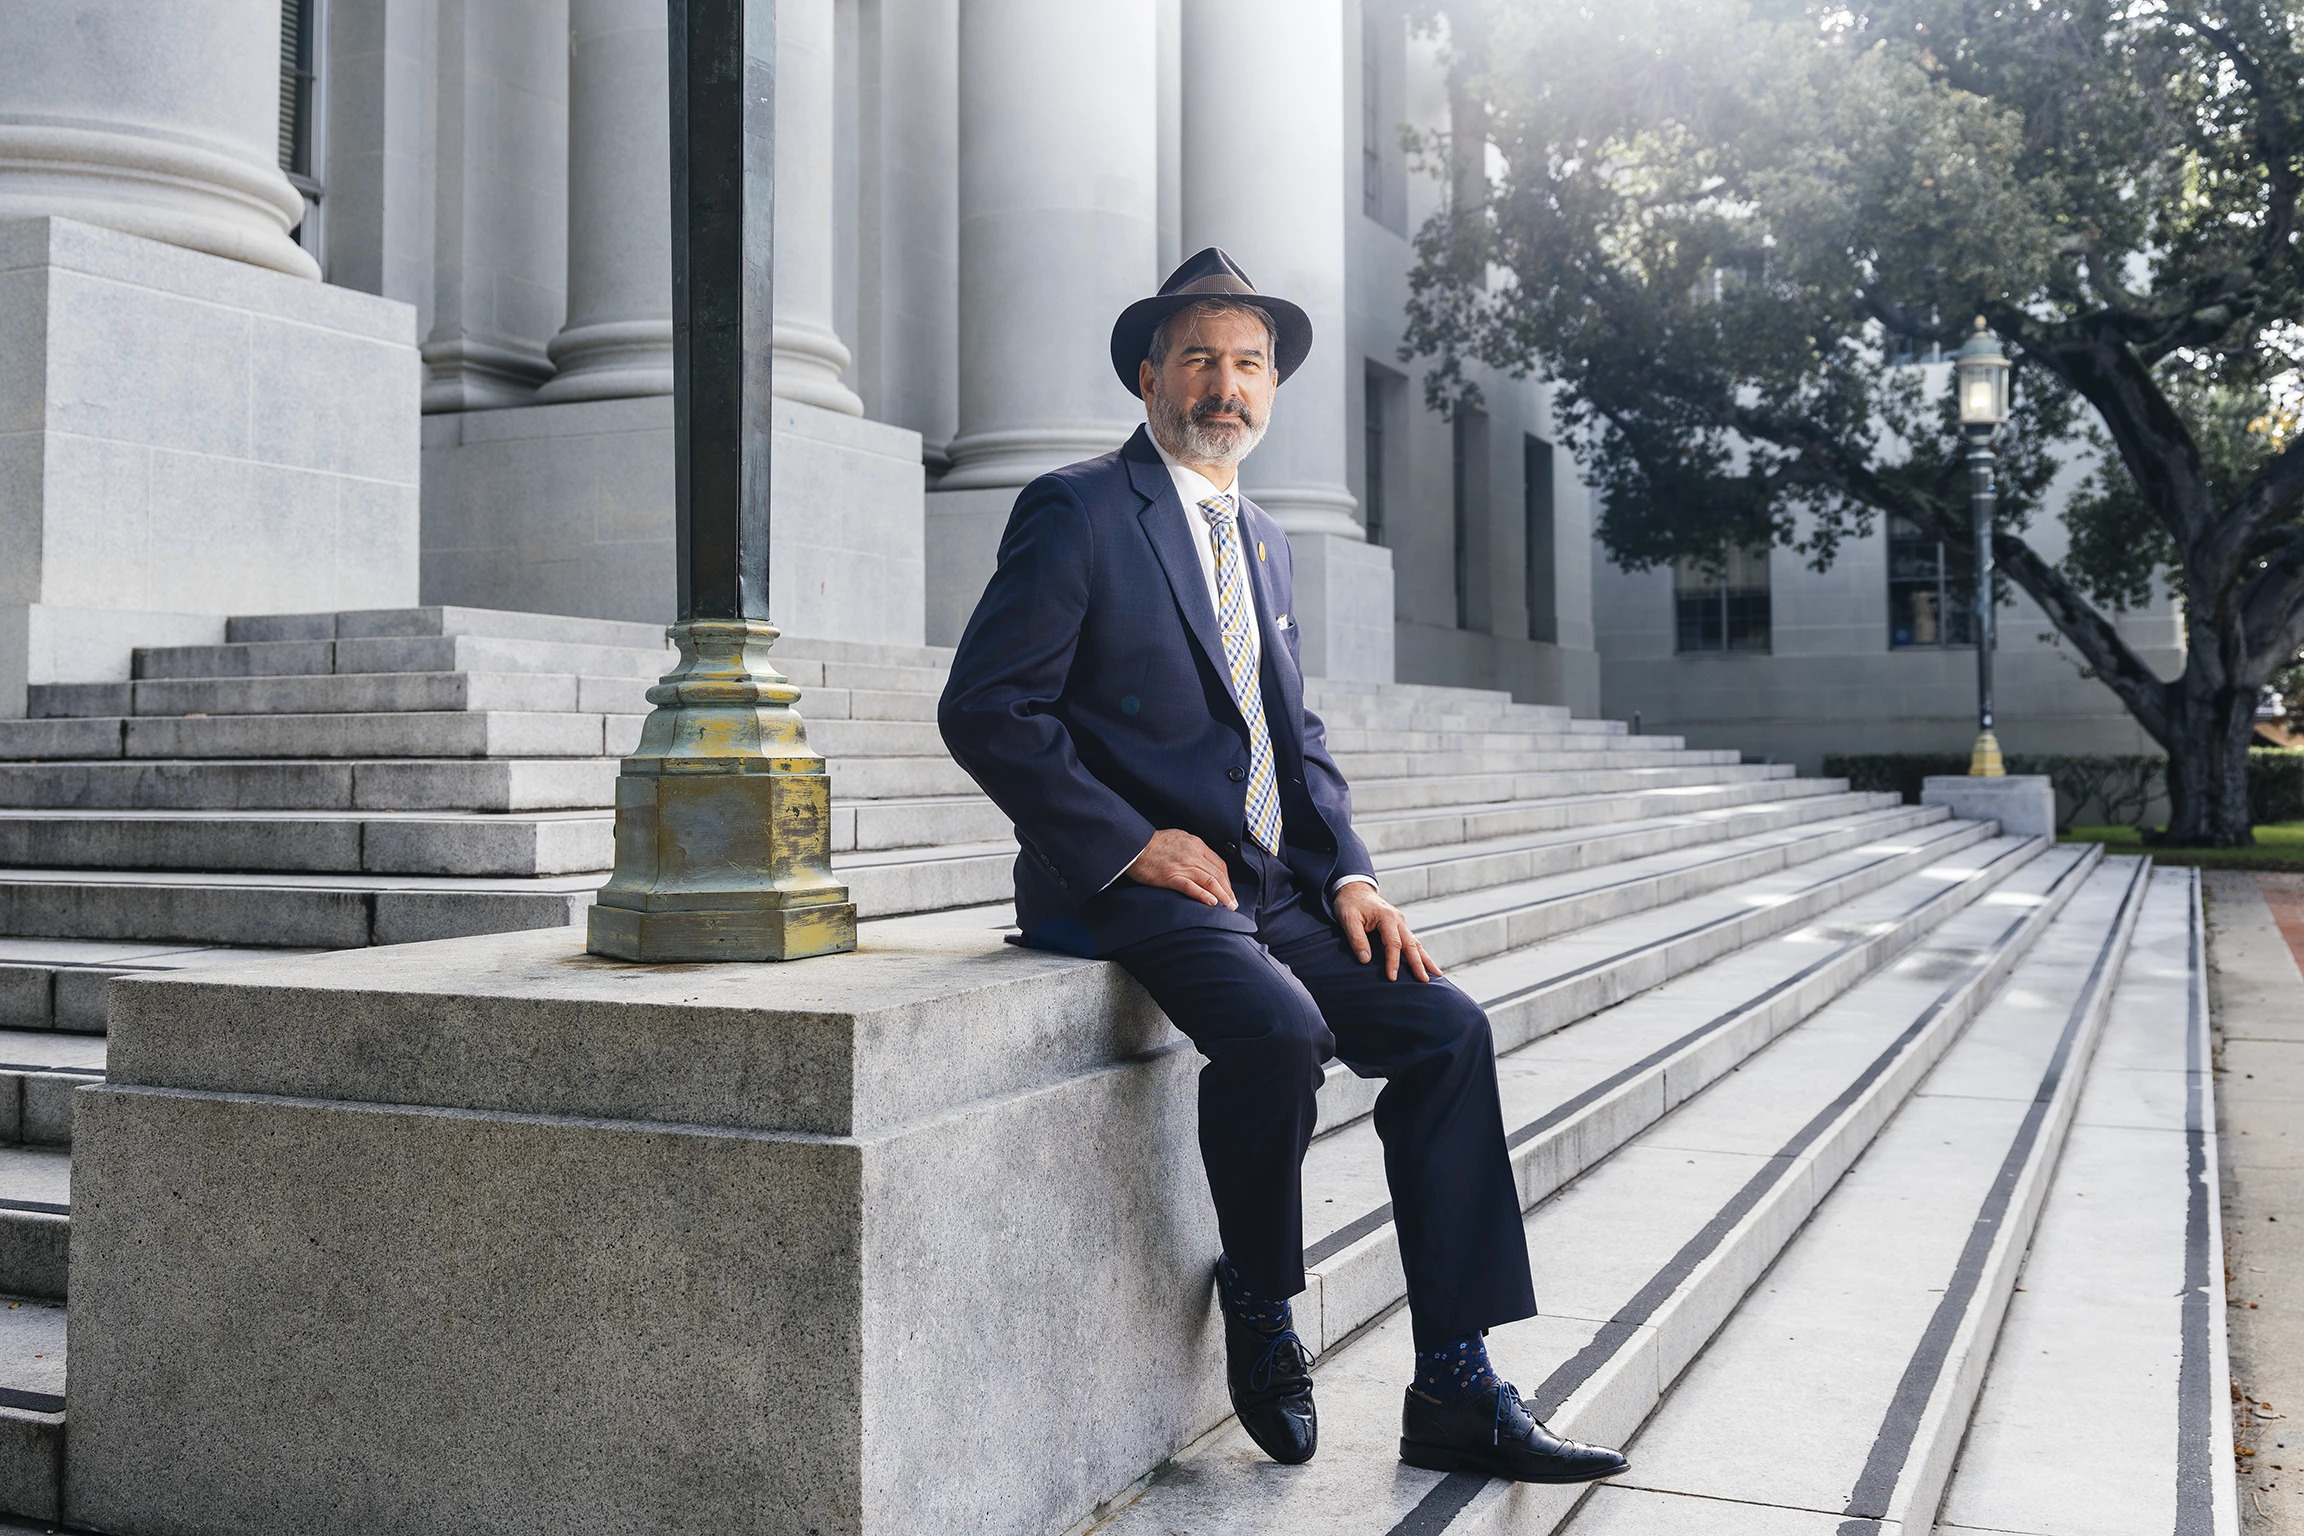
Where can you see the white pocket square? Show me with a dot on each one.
(1280, 622)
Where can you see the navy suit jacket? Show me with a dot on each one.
(1088, 698)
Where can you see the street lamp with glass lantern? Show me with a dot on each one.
(1980, 375)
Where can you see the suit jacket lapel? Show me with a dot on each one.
(1163, 520)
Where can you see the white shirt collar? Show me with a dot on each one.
(1193, 487)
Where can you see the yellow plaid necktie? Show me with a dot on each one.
(1234, 616)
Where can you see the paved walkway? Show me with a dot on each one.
(2256, 980)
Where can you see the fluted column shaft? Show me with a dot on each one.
(618, 339)
(810, 356)
(1059, 227)
(157, 120)
(1263, 177)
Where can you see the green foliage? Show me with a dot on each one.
(1721, 223)
(2276, 784)
(2119, 789)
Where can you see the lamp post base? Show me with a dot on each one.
(1984, 761)
(723, 817)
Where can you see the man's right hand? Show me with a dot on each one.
(1178, 861)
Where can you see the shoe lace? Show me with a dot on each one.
(1507, 1402)
(1277, 1350)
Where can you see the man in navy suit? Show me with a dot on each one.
(1129, 692)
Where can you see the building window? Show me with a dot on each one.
(300, 147)
(1723, 606)
(1468, 494)
(1383, 71)
(1371, 121)
(1931, 590)
(1536, 508)
(1375, 398)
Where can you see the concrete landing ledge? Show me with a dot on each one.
(484, 1234)
(929, 1014)
(2023, 803)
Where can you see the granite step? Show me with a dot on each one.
(1377, 795)
(1389, 831)
(405, 733)
(1643, 1256)
(346, 908)
(1591, 1084)
(1871, 1333)
(58, 984)
(568, 842)
(1622, 753)
(2120, 1305)
(405, 784)
(1541, 960)
(1356, 741)
(1430, 870)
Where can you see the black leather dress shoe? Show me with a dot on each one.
(1271, 1380)
(1494, 1435)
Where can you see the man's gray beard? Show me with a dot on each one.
(1175, 430)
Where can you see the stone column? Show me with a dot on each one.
(1263, 151)
(810, 357)
(1264, 175)
(160, 121)
(618, 339)
(1059, 228)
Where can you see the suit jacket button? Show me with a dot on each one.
(1235, 774)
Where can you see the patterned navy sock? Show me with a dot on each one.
(1266, 1317)
(1455, 1372)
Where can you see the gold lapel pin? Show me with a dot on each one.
(1259, 549)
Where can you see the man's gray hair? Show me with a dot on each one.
(1157, 351)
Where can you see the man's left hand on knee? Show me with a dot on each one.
(1371, 922)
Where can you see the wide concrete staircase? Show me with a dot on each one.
(1789, 1070)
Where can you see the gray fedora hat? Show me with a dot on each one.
(1209, 275)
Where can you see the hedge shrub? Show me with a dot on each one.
(2120, 790)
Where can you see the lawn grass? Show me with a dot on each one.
(2279, 846)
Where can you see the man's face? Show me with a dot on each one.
(1210, 398)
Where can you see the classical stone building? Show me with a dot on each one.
(1875, 654)
(968, 191)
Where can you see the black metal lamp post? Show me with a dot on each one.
(1980, 372)
(723, 815)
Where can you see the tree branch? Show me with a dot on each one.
(2098, 642)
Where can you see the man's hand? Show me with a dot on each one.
(1178, 861)
(1364, 914)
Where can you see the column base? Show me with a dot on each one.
(1344, 606)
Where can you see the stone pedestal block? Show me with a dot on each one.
(568, 509)
(185, 437)
(487, 1235)
(963, 546)
(2023, 803)
(1344, 603)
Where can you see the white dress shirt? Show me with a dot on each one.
(1193, 488)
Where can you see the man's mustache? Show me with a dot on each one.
(1203, 409)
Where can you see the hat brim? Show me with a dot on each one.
(1132, 332)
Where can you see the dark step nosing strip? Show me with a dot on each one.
(20, 1066)
(36, 1207)
(1587, 1362)
(1875, 1488)
(30, 1402)
(2197, 1390)
(1345, 1236)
